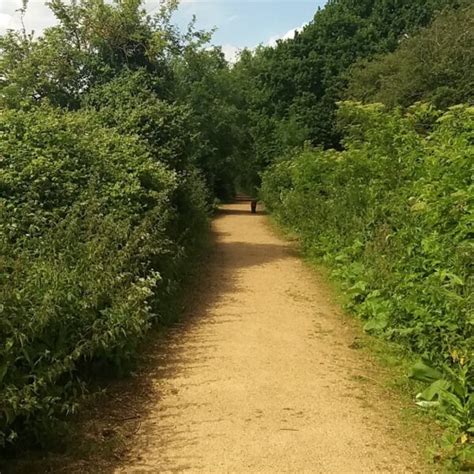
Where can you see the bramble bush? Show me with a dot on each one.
(391, 214)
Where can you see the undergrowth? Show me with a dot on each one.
(391, 215)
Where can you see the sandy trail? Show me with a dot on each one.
(264, 379)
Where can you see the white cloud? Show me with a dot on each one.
(231, 52)
(288, 35)
(5, 21)
(38, 16)
(9, 22)
(231, 19)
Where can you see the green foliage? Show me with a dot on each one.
(392, 215)
(434, 65)
(292, 89)
(451, 393)
(102, 203)
(130, 104)
(85, 222)
(94, 42)
(116, 131)
(206, 85)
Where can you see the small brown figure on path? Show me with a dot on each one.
(253, 206)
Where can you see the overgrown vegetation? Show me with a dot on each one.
(292, 89)
(107, 176)
(435, 65)
(392, 216)
(89, 236)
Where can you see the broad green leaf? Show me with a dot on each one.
(424, 373)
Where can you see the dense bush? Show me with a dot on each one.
(104, 194)
(392, 215)
(91, 241)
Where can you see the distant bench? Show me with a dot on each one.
(244, 198)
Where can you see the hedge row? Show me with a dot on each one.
(94, 233)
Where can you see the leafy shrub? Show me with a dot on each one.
(392, 215)
(91, 244)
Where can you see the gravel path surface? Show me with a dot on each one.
(265, 378)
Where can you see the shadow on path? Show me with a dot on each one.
(221, 212)
(107, 427)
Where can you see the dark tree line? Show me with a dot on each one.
(369, 50)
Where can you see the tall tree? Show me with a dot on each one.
(435, 65)
(298, 82)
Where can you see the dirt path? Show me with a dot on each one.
(264, 379)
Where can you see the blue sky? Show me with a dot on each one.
(243, 23)
(247, 23)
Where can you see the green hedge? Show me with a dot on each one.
(94, 233)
